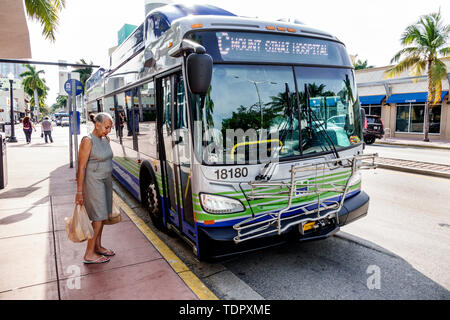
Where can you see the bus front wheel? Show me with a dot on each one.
(152, 204)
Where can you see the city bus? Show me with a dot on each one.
(59, 116)
(235, 133)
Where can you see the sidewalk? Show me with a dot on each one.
(414, 166)
(415, 142)
(37, 259)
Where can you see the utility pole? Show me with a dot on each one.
(75, 124)
(69, 98)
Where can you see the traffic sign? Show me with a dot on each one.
(78, 87)
(63, 77)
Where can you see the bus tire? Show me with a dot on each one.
(151, 199)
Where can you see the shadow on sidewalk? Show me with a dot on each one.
(21, 192)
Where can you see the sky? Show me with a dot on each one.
(369, 29)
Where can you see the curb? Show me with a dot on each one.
(412, 145)
(186, 275)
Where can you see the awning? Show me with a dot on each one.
(371, 99)
(411, 97)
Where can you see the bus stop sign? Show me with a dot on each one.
(78, 87)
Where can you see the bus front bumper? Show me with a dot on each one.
(218, 242)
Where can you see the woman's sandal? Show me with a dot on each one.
(107, 253)
(97, 261)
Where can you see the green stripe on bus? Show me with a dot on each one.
(126, 165)
(256, 209)
(127, 161)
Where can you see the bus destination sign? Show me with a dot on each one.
(252, 43)
(271, 47)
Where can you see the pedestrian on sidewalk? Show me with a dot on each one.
(46, 129)
(28, 128)
(94, 184)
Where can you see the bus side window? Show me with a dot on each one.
(167, 112)
(148, 142)
(123, 108)
(180, 103)
(119, 119)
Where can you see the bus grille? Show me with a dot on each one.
(311, 183)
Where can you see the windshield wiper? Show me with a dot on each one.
(323, 130)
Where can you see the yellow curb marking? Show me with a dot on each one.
(191, 280)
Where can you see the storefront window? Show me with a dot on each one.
(410, 118)
(416, 118)
(435, 119)
(402, 119)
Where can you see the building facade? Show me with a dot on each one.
(15, 38)
(20, 101)
(400, 102)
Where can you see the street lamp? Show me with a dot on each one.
(12, 137)
(257, 92)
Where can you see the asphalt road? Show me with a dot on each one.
(399, 251)
(410, 153)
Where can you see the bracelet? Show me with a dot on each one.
(79, 192)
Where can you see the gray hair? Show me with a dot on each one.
(100, 117)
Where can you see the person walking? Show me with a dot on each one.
(46, 129)
(28, 128)
(94, 184)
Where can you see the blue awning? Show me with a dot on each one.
(411, 97)
(371, 99)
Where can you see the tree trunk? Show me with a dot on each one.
(426, 124)
(36, 105)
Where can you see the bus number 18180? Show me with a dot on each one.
(224, 174)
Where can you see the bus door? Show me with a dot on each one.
(176, 158)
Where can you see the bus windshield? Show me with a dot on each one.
(251, 113)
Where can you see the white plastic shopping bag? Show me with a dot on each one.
(79, 227)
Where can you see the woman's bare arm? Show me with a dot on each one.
(83, 156)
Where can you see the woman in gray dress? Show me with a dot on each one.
(94, 184)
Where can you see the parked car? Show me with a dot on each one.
(373, 128)
(64, 121)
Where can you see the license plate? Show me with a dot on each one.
(375, 127)
(308, 226)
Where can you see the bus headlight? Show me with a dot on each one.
(218, 204)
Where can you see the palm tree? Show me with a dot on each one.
(424, 42)
(85, 73)
(359, 65)
(33, 85)
(46, 12)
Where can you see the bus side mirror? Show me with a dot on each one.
(199, 72)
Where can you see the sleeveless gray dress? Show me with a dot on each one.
(97, 190)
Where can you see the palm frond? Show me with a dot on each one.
(445, 52)
(418, 69)
(403, 66)
(46, 12)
